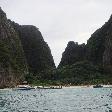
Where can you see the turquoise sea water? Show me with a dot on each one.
(61, 100)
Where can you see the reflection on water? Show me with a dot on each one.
(62, 100)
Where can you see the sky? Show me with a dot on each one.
(60, 21)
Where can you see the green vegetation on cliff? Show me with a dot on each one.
(37, 52)
(97, 52)
(24, 55)
(12, 61)
(73, 53)
(83, 72)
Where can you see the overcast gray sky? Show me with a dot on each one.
(60, 21)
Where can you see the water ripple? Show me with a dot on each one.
(63, 100)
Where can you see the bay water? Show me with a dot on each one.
(57, 100)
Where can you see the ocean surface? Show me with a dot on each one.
(60, 100)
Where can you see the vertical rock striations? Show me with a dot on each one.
(94, 58)
(73, 53)
(98, 49)
(107, 55)
(36, 50)
(12, 60)
(99, 45)
(22, 51)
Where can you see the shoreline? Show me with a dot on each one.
(85, 86)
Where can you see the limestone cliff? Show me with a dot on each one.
(73, 53)
(36, 50)
(96, 54)
(12, 60)
(23, 52)
(98, 49)
(99, 43)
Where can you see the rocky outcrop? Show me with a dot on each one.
(73, 53)
(12, 60)
(107, 55)
(99, 45)
(98, 49)
(37, 51)
(97, 54)
(23, 51)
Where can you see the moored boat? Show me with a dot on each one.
(24, 87)
(97, 86)
(51, 87)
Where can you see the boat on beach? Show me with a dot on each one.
(24, 87)
(98, 86)
(28, 87)
(49, 87)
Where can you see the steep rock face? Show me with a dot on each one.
(36, 50)
(12, 60)
(91, 62)
(107, 55)
(98, 46)
(22, 51)
(98, 49)
(73, 53)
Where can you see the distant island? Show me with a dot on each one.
(25, 56)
